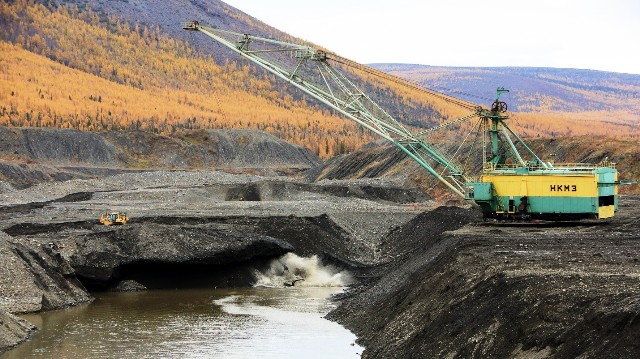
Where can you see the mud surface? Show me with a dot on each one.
(515, 290)
(441, 282)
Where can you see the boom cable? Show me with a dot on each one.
(401, 81)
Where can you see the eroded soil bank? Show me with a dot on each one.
(514, 290)
(187, 229)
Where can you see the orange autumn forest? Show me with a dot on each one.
(68, 68)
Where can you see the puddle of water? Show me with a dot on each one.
(216, 323)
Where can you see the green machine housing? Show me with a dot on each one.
(561, 192)
(509, 184)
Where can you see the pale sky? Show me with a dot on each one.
(588, 34)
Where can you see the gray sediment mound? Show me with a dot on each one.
(35, 277)
(13, 331)
(109, 255)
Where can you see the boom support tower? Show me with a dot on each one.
(508, 185)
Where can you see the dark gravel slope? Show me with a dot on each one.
(505, 291)
(35, 155)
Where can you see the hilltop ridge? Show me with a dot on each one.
(570, 94)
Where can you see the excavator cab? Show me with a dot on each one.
(110, 218)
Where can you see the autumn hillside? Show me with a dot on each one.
(126, 65)
(67, 66)
(544, 96)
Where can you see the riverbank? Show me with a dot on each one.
(183, 224)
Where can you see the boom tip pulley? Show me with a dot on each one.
(498, 107)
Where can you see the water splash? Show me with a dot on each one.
(292, 270)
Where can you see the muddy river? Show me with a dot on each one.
(202, 323)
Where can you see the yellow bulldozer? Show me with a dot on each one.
(110, 218)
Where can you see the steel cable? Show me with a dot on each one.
(401, 81)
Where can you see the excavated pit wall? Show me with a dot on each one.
(226, 249)
(186, 230)
(503, 290)
(33, 277)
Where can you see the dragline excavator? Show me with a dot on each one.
(513, 181)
